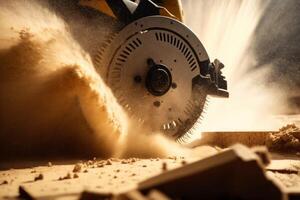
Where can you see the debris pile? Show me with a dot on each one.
(286, 140)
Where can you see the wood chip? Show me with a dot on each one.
(75, 176)
(68, 176)
(108, 162)
(39, 177)
(77, 168)
(124, 162)
(89, 162)
(100, 165)
(5, 182)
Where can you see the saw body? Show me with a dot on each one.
(157, 67)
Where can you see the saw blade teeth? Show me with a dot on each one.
(98, 58)
(174, 123)
(183, 139)
(168, 126)
(164, 127)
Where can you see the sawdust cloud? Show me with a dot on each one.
(227, 30)
(53, 102)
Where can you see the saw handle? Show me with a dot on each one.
(212, 79)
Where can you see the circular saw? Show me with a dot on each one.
(156, 66)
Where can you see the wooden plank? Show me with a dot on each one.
(237, 173)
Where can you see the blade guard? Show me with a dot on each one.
(211, 77)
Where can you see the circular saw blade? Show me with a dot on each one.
(123, 62)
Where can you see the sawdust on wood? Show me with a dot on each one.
(286, 140)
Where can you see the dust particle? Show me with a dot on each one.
(183, 162)
(164, 166)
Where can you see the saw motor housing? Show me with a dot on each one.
(156, 66)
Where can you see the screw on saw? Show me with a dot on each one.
(137, 79)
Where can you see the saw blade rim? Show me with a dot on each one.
(144, 24)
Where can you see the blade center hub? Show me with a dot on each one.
(158, 79)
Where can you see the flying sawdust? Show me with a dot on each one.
(227, 30)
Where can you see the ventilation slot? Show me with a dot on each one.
(131, 45)
(177, 43)
(191, 61)
(156, 35)
(135, 43)
(193, 66)
(174, 41)
(189, 58)
(120, 59)
(180, 46)
(130, 50)
(139, 41)
(183, 49)
(119, 64)
(123, 56)
(125, 52)
(185, 52)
